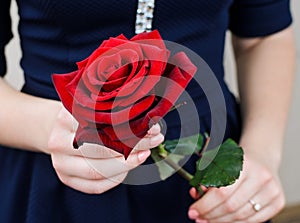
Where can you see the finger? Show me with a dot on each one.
(91, 169)
(148, 143)
(230, 204)
(201, 221)
(268, 211)
(117, 165)
(154, 130)
(75, 167)
(95, 151)
(89, 150)
(137, 158)
(240, 216)
(62, 142)
(95, 169)
(63, 133)
(243, 213)
(238, 207)
(66, 120)
(213, 198)
(92, 186)
(194, 193)
(267, 194)
(270, 192)
(239, 198)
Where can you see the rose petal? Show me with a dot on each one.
(110, 86)
(94, 80)
(98, 52)
(123, 91)
(149, 35)
(172, 89)
(61, 81)
(187, 68)
(113, 117)
(88, 135)
(143, 88)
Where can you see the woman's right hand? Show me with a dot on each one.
(93, 169)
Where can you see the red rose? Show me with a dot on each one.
(123, 88)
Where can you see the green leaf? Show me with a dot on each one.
(176, 150)
(220, 166)
(185, 146)
(164, 169)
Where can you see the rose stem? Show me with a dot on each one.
(182, 172)
(164, 154)
(206, 143)
(178, 106)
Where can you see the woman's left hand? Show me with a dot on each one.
(256, 197)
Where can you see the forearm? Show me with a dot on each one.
(265, 76)
(25, 121)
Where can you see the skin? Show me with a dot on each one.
(265, 76)
(266, 69)
(92, 169)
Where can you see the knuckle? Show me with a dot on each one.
(221, 194)
(239, 216)
(244, 220)
(65, 180)
(96, 190)
(53, 143)
(281, 203)
(119, 179)
(64, 117)
(103, 186)
(94, 174)
(265, 175)
(142, 143)
(157, 127)
(88, 190)
(56, 165)
(230, 206)
(275, 192)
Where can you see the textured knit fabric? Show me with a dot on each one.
(57, 33)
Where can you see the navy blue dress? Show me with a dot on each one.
(57, 33)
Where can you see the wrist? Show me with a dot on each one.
(264, 151)
(38, 119)
(49, 111)
(28, 119)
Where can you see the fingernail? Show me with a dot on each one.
(201, 221)
(193, 214)
(143, 155)
(156, 139)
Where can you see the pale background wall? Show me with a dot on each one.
(291, 159)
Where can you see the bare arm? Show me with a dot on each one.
(265, 75)
(42, 125)
(25, 121)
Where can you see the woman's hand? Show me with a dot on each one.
(265, 70)
(257, 184)
(93, 169)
